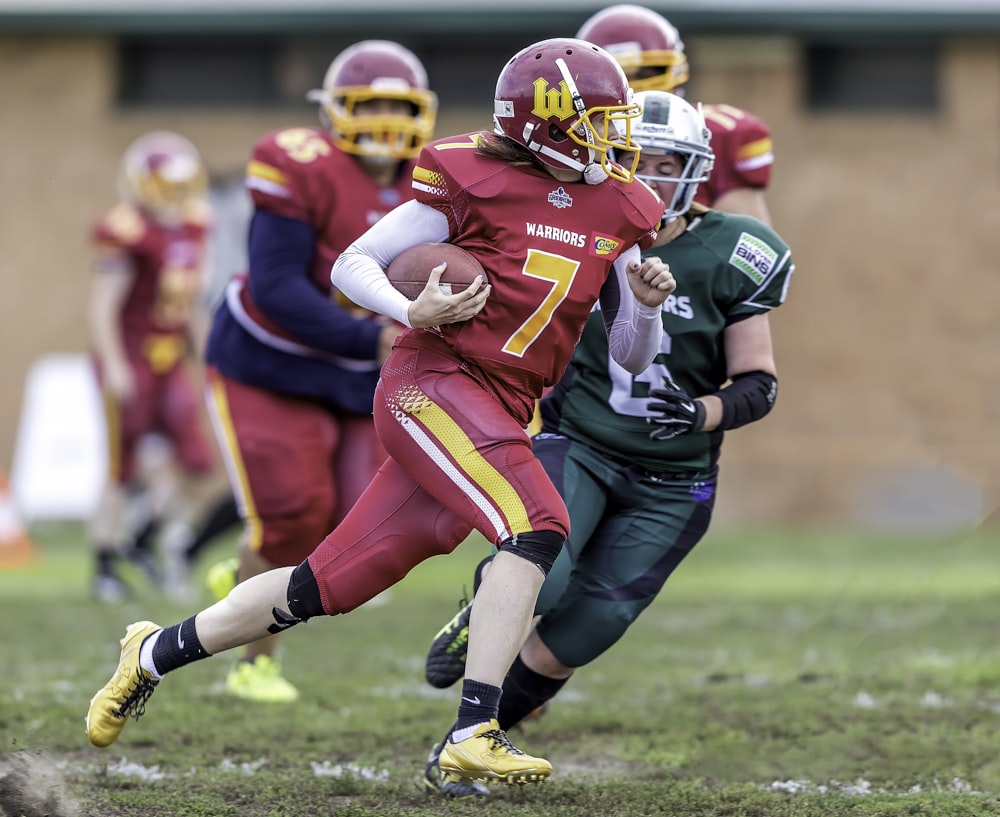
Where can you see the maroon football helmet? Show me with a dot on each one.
(569, 102)
(377, 70)
(162, 173)
(645, 44)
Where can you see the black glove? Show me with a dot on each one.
(679, 413)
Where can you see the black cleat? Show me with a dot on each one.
(446, 656)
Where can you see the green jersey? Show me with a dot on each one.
(728, 268)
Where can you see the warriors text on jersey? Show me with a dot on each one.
(749, 273)
(546, 268)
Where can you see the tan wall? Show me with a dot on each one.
(887, 348)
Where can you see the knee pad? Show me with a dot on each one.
(303, 594)
(540, 547)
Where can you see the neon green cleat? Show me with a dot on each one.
(446, 657)
(488, 755)
(260, 681)
(126, 693)
(221, 577)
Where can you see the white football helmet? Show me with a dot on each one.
(669, 124)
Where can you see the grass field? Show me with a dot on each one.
(780, 673)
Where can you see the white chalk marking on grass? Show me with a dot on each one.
(248, 768)
(862, 787)
(326, 769)
(865, 700)
(127, 768)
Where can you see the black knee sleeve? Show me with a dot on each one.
(540, 547)
(303, 594)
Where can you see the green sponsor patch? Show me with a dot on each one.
(753, 257)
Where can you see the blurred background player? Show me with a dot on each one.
(651, 52)
(638, 506)
(293, 364)
(149, 257)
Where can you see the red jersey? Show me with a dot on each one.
(743, 152)
(546, 246)
(298, 173)
(168, 264)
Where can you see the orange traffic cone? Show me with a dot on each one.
(15, 546)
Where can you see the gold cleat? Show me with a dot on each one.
(488, 755)
(126, 693)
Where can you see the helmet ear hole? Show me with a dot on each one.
(557, 134)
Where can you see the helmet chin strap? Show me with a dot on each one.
(594, 174)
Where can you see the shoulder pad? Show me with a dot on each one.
(642, 206)
(122, 224)
(730, 118)
(298, 145)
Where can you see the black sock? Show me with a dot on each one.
(479, 703)
(524, 690)
(146, 537)
(177, 646)
(222, 517)
(106, 558)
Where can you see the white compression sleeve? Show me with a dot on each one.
(635, 334)
(359, 271)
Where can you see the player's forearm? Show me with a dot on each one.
(359, 271)
(281, 256)
(634, 329)
(635, 340)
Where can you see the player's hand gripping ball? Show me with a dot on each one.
(410, 270)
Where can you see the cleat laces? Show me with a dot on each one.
(134, 705)
(498, 740)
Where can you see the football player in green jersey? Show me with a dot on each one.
(636, 457)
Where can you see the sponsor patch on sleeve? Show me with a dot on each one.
(605, 246)
(753, 257)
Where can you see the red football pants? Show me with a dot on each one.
(295, 466)
(457, 460)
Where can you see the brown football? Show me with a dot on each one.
(410, 269)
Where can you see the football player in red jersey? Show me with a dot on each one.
(639, 477)
(149, 254)
(651, 52)
(293, 363)
(558, 225)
